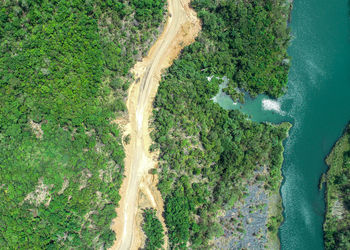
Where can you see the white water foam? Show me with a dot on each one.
(209, 78)
(272, 105)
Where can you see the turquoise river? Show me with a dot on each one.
(317, 103)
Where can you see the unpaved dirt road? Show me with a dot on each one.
(180, 30)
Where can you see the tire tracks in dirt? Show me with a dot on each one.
(139, 188)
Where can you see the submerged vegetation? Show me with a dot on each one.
(337, 222)
(206, 151)
(64, 72)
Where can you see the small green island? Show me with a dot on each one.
(337, 220)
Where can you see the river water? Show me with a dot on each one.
(317, 103)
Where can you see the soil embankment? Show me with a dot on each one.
(139, 187)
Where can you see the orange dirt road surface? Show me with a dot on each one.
(180, 30)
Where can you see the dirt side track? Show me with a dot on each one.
(180, 30)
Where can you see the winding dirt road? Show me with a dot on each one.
(180, 30)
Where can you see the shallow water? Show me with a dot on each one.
(259, 109)
(318, 104)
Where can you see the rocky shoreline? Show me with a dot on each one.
(253, 221)
(246, 224)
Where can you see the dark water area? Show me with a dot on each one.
(317, 103)
(319, 89)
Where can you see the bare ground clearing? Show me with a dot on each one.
(139, 187)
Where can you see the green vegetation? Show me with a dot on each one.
(153, 230)
(247, 41)
(64, 72)
(206, 151)
(274, 219)
(337, 222)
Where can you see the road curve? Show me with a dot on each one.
(180, 30)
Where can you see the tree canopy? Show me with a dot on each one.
(64, 72)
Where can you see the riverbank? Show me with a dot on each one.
(275, 215)
(337, 217)
(254, 220)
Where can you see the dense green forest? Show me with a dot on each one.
(337, 222)
(251, 37)
(205, 151)
(153, 230)
(64, 72)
